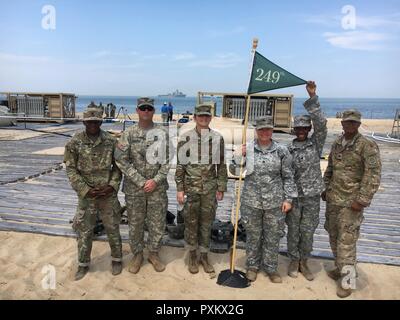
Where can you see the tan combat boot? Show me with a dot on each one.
(342, 293)
(136, 263)
(155, 260)
(204, 261)
(81, 272)
(116, 267)
(334, 274)
(275, 277)
(293, 268)
(193, 263)
(305, 270)
(251, 274)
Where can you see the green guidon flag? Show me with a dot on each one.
(266, 75)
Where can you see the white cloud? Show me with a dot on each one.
(389, 21)
(370, 33)
(357, 40)
(363, 22)
(323, 20)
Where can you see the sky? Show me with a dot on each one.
(350, 48)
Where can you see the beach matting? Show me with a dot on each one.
(36, 197)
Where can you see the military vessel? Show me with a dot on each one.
(175, 94)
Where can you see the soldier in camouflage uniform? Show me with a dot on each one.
(351, 180)
(142, 154)
(303, 219)
(91, 169)
(201, 176)
(268, 192)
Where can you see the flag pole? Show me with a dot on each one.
(231, 277)
(244, 137)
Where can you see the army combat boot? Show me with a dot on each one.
(293, 268)
(275, 277)
(136, 263)
(81, 272)
(305, 270)
(342, 293)
(154, 259)
(116, 267)
(193, 263)
(251, 274)
(206, 265)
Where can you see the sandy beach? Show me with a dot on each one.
(23, 257)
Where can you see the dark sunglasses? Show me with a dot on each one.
(144, 108)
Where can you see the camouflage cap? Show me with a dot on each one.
(351, 115)
(144, 101)
(302, 121)
(203, 109)
(93, 114)
(266, 122)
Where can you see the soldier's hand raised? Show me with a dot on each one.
(311, 88)
(220, 195)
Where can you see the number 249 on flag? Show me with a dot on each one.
(269, 76)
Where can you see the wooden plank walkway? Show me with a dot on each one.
(45, 203)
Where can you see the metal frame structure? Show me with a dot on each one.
(279, 106)
(32, 106)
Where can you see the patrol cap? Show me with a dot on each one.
(203, 109)
(144, 101)
(93, 114)
(302, 121)
(265, 122)
(351, 115)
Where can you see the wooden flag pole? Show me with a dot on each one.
(244, 137)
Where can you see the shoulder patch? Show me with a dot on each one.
(372, 161)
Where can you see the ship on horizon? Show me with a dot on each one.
(175, 94)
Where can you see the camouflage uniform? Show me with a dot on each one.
(200, 178)
(134, 156)
(268, 183)
(353, 174)
(89, 165)
(303, 219)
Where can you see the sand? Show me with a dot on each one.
(24, 257)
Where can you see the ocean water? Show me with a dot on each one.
(370, 108)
